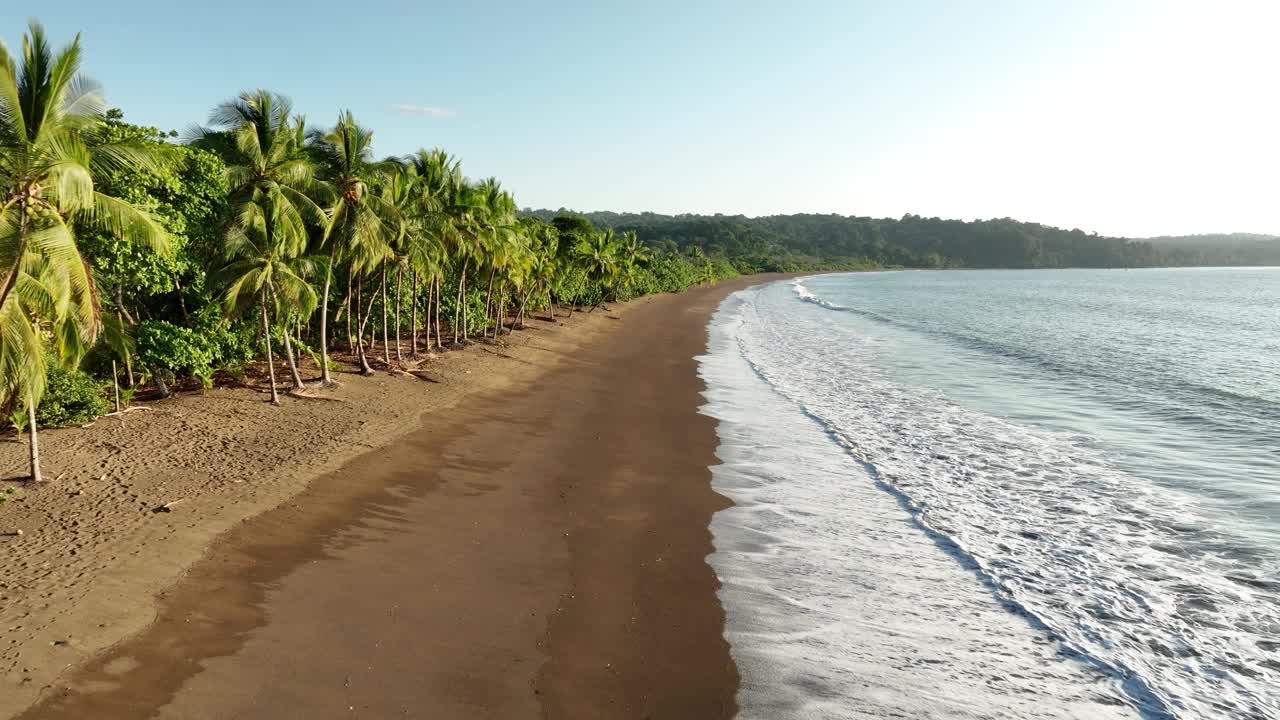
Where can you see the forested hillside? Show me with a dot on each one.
(1231, 249)
(915, 241)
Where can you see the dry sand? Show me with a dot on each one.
(525, 537)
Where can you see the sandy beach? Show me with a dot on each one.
(523, 535)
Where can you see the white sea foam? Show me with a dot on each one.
(893, 554)
(804, 293)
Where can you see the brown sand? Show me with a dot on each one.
(537, 549)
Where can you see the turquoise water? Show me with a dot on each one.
(1088, 461)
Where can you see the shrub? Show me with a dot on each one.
(165, 346)
(71, 397)
(229, 342)
(472, 303)
(211, 343)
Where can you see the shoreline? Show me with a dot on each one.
(573, 579)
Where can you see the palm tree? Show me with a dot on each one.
(632, 256)
(49, 117)
(466, 236)
(437, 186)
(415, 248)
(493, 224)
(543, 242)
(520, 273)
(362, 224)
(634, 252)
(599, 255)
(269, 172)
(265, 268)
(499, 250)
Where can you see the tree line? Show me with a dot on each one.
(132, 259)
(784, 242)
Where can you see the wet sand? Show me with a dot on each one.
(535, 551)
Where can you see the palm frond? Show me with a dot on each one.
(13, 127)
(127, 221)
(130, 156)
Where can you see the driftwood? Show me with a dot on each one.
(126, 411)
(167, 507)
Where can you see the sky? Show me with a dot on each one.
(1122, 117)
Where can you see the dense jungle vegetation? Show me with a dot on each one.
(801, 241)
(133, 258)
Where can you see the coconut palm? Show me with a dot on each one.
(432, 229)
(631, 258)
(362, 225)
(429, 178)
(492, 218)
(465, 236)
(418, 191)
(264, 268)
(543, 242)
(262, 144)
(599, 256)
(633, 251)
(50, 117)
(499, 250)
(269, 172)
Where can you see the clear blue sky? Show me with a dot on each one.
(1141, 117)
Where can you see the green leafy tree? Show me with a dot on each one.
(50, 120)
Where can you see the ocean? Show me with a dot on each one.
(1001, 494)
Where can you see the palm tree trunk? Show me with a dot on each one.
(502, 310)
(353, 313)
(457, 308)
(266, 335)
(372, 342)
(386, 345)
(366, 324)
(351, 339)
(488, 302)
(439, 296)
(325, 378)
(365, 320)
(115, 383)
(413, 316)
(33, 444)
(293, 365)
(524, 302)
(399, 302)
(359, 338)
(290, 358)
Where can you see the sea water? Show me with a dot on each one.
(1001, 494)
